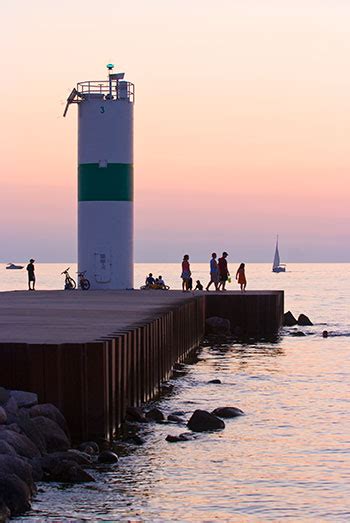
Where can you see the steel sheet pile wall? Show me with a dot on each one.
(93, 383)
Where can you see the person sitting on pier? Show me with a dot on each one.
(160, 282)
(150, 280)
(199, 286)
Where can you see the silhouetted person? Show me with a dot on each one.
(150, 280)
(214, 272)
(31, 275)
(223, 271)
(240, 277)
(186, 274)
(199, 286)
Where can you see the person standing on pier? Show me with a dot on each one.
(240, 277)
(186, 273)
(223, 271)
(31, 275)
(214, 272)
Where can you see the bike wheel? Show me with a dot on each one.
(72, 283)
(85, 284)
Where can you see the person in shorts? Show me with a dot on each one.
(214, 272)
(223, 271)
(31, 275)
(186, 273)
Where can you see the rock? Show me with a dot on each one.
(216, 325)
(50, 411)
(304, 320)
(24, 399)
(155, 415)
(30, 429)
(289, 320)
(21, 443)
(66, 472)
(55, 438)
(178, 413)
(14, 493)
(201, 421)
(216, 381)
(37, 470)
(90, 447)
(11, 409)
(175, 419)
(4, 396)
(179, 366)
(135, 414)
(4, 512)
(107, 456)
(70, 455)
(178, 373)
(297, 334)
(135, 439)
(3, 416)
(18, 466)
(6, 448)
(185, 436)
(227, 412)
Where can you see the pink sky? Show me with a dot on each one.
(242, 124)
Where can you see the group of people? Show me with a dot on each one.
(155, 283)
(219, 274)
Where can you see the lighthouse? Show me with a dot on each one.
(105, 180)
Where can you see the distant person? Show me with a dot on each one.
(325, 334)
(150, 280)
(31, 275)
(186, 273)
(160, 282)
(214, 272)
(240, 277)
(223, 271)
(199, 286)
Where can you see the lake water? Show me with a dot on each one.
(288, 458)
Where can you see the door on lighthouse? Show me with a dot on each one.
(103, 266)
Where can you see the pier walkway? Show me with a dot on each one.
(95, 353)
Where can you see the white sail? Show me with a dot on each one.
(276, 260)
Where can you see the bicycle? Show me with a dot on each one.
(84, 283)
(69, 282)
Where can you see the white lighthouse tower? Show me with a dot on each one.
(105, 180)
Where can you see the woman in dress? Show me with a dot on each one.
(240, 277)
(186, 273)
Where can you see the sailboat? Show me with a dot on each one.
(277, 266)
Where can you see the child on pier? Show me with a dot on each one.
(240, 277)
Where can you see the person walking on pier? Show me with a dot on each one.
(31, 275)
(240, 277)
(186, 273)
(223, 271)
(214, 272)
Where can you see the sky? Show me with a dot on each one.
(242, 125)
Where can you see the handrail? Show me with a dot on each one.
(117, 89)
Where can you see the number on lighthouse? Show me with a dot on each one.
(102, 109)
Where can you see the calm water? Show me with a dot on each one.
(287, 459)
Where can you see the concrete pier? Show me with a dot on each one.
(95, 353)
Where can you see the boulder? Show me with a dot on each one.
(135, 414)
(50, 411)
(155, 415)
(18, 466)
(11, 409)
(6, 448)
(228, 412)
(185, 436)
(4, 396)
(304, 320)
(29, 428)
(37, 470)
(201, 421)
(89, 447)
(24, 399)
(70, 455)
(216, 381)
(289, 320)
(55, 438)
(21, 443)
(14, 493)
(107, 456)
(216, 325)
(66, 472)
(298, 334)
(3, 416)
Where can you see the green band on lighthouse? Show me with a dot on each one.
(111, 183)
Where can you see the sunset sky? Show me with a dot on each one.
(242, 124)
